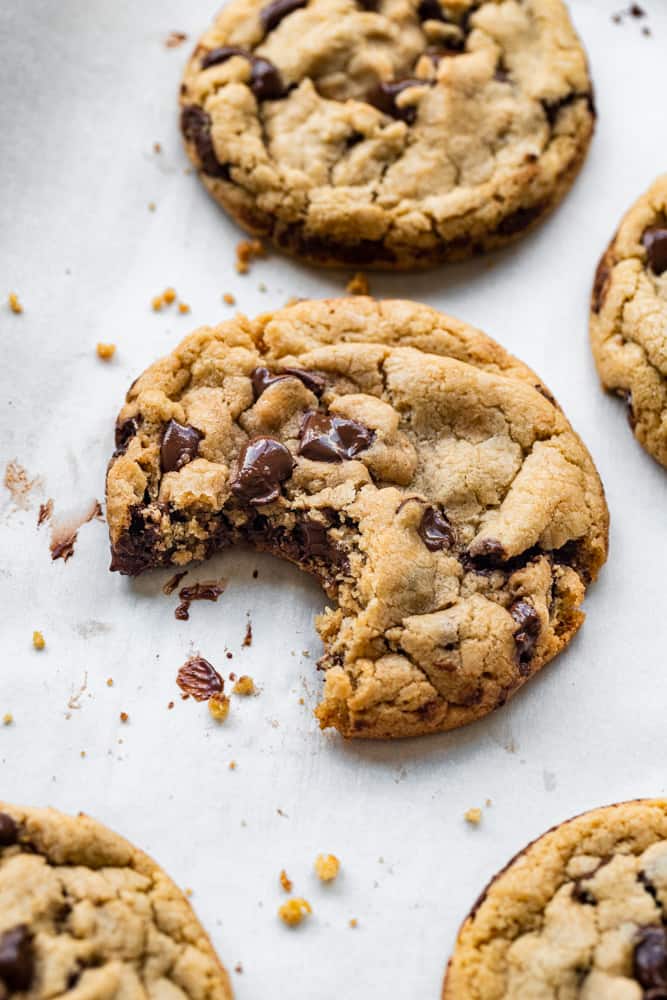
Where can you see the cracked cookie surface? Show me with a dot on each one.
(577, 915)
(426, 477)
(85, 914)
(391, 134)
(628, 323)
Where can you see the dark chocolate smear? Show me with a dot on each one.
(17, 959)
(9, 831)
(273, 13)
(528, 630)
(264, 464)
(654, 241)
(262, 378)
(199, 678)
(196, 128)
(435, 530)
(180, 444)
(324, 438)
(207, 590)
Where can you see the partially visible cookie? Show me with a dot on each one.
(425, 476)
(578, 915)
(388, 133)
(628, 322)
(83, 913)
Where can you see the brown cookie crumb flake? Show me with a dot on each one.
(218, 706)
(244, 686)
(170, 705)
(285, 882)
(7, 719)
(246, 252)
(232, 765)
(183, 307)
(358, 284)
(247, 639)
(106, 351)
(229, 299)
(473, 816)
(238, 968)
(157, 147)
(109, 682)
(327, 867)
(45, 512)
(124, 717)
(14, 303)
(294, 911)
(38, 640)
(174, 39)
(169, 296)
(353, 922)
(199, 678)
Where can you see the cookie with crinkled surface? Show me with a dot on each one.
(388, 134)
(422, 474)
(85, 914)
(628, 322)
(577, 915)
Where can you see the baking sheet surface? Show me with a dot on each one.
(87, 89)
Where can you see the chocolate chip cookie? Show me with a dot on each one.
(629, 318)
(388, 133)
(578, 915)
(427, 478)
(83, 913)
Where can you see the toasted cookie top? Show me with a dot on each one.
(82, 912)
(578, 914)
(394, 133)
(425, 476)
(629, 318)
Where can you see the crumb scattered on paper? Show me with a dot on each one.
(246, 252)
(285, 882)
(19, 484)
(473, 816)
(358, 284)
(45, 512)
(106, 351)
(294, 911)
(14, 303)
(327, 867)
(174, 39)
(38, 640)
(245, 686)
(218, 706)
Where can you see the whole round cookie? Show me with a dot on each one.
(423, 475)
(577, 915)
(83, 913)
(388, 133)
(628, 323)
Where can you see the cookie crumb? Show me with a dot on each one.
(174, 39)
(473, 816)
(327, 867)
(38, 640)
(7, 719)
(301, 701)
(157, 148)
(232, 765)
(247, 251)
(358, 284)
(170, 705)
(169, 295)
(124, 717)
(244, 686)
(285, 882)
(218, 706)
(294, 911)
(82, 753)
(157, 302)
(247, 639)
(183, 307)
(238, 968)
(188, 893)
(353, 922)
(109, 682)
(106, 351)
(14, 303)
(151, 206)
(229, 299)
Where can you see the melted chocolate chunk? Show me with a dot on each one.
(264, 464)
(649, 961)
(435, 530)
(262, 378)
(17, 958)
(180, 445)
(124, 434)
(324, 438)
(199, 678)
(314, 540)
(9, 831)
(222, 54)
(273, 13)
(528, 631)
(207, 590)
(266, 82)
(196, 128)
(654, 241)
(385, 94)
(489, 553)
(430, 10)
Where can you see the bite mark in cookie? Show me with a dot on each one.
(423, 475)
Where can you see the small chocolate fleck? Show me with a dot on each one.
(273, 13)
(435, 530)
(528, 630)
(199, 678)
(649, 961)
(172, 583)
(9, 831)
(196, 128)
(180, 444)
(17, 958)
(654, 241)
(324, 438)
(207, 590)
(384, 97)
(262, 378)
(220, 55)
(264, 464)
(247, 639)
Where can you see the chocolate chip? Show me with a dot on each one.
(601, 284)
(262, 378)
(649, 961)
(582, 895)
(435, 530)
(273, 13)
(196, 128)
(199, 678)
(124, 434)
(17, 958)
(313, 539)
(654, 240)
(527, 633)
(180, 444)
(384, 97)
(520, 219)
(222, 54)
(9, 831)
(264, 464)
(430, 10)
(489, 552)
(324, 438)
(266, 82)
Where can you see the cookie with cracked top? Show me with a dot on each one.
(579, 913)
(426, 477)
(392, 134)
(628, 321)
(85, 914)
